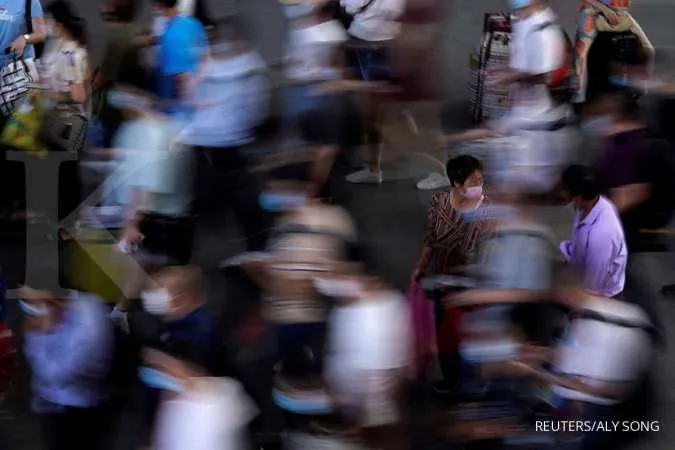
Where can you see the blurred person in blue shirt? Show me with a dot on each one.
(68, 346)
(231, 99)
(182, 47)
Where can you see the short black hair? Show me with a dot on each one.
(578, 180)
(63, 13)
(167, 3)
(460, 168)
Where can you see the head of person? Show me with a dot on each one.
(620, 105)
(176, 292)
(525, 8)
(43, 305)
(121, 11)
(167, 8)
(65, 24)
(287, 189)
(466, 176)
(580, 186)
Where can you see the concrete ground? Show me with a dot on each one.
(392, 215)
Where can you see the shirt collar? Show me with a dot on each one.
(595, 213)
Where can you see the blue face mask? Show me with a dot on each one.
(504, 350)
(32, 310)
(308, 406)
(159, 380)
(520, 4)
(273, 202)
(293, 12)
(597, 126)
(490, 212)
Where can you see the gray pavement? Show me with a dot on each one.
(392, 215)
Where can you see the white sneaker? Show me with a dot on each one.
(433, 181)
(365, 176)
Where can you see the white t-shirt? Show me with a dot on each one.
(603, 352)
(379, 22)
(311, 49)
(536, 51)
(369, 336)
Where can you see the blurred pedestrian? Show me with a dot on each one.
(231, 97)
(598, 246)
(69, 348)
(375, 24)
(537, 124)
(368, 353)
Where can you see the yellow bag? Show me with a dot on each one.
(91, 262)
(22, 130)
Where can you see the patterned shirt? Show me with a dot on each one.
(451, 240)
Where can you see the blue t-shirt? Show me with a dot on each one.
(181, 48)
(13, 24)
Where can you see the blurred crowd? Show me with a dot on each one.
(502, 326)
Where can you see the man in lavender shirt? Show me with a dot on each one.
(598, 246)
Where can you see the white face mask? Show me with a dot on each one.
(338, 288)
(156, 302)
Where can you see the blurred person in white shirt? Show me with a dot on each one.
(538, 126)
(601, 361)
(368, 352)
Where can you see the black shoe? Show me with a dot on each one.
(668, 289)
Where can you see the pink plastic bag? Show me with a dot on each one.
(423, 329)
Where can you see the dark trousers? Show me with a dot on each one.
(448, 358)
(224, 177)
(75, 428)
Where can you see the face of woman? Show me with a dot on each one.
(473, 186)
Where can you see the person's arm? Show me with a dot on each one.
(37, 36)
(429, 238)
(487, 297)
(627, 198)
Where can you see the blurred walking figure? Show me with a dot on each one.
(231, 98)
(69, 348)
(540, 139)
(315, 107)
(368, 353)
(375, 24)
(182, 46)
(598, 246)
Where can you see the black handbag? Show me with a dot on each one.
(64, 128)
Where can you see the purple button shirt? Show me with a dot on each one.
(598, 247)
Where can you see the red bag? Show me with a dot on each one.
(423, 328)
(9, 361)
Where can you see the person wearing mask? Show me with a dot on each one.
(368, 352)
(598, 246)
(152, 184)
(231, 98)
(69, 348)
(182, 48)
(449, 242)
(375, 26)
(537, 124)
(185, 326)
(598, 366)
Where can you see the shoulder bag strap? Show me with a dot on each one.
(365, 7)
(28, 16)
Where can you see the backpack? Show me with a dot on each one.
(560, 84)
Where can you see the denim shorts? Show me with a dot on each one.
(370, 61)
